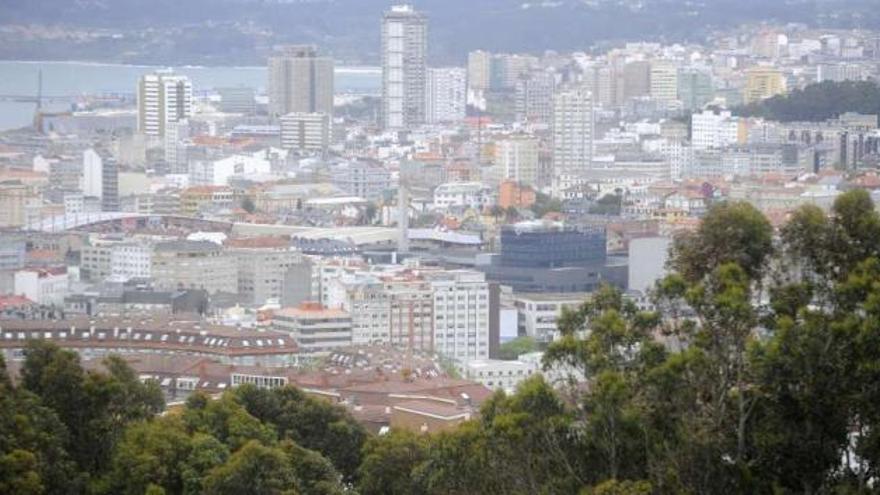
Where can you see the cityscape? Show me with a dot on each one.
(433, 266)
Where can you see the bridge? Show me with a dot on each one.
(113, 222)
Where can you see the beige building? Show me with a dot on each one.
(262, 264)
(314, 327)
(16, 199)
(762, 83)
(193, 265)
(664, 80)
(392, 310)
(479, 70)
(517, 159)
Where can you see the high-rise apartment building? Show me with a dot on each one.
(300, 81)
(479, 70)
(176, 137)
(446, 98)
(601, 80)
(163, 97)
(664, 80)
(534, 96)
(101, 178)
(462, 310)
(404, 70)
(573, 127)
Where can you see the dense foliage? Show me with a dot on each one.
(67, 431)
(757, 373)
(818, 102)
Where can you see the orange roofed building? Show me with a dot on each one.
(510, 193)
(314, 327)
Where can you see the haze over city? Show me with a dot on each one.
(597, 247)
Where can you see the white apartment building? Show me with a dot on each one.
(315, 328)
(362, 178)
(517, 159)
(162, 98)
(679, 154)
(93, 173)
(43, 286)
(446, 97)
(537, 314)
(573, 125)
(464, 195)
(309, 132)
(664, 80)
(218, 172)
(115, 259)
(497, 374)
(713, 129)
(461, 314)
(176, 136)
(404, 70)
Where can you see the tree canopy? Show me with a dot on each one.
(818, 102)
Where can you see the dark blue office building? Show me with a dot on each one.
(538, 245)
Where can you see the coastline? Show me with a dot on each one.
(347, 69)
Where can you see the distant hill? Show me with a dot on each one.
(210, 31)
(818, 102)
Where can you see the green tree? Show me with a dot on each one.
(311, 423)
(151, 453)
(518, 346)
(248, 205)
(227, 420)
(731, 232)
(389, 462)
(255, 469)
(614, 487)
(19, 474)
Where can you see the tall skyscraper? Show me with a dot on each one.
(163, 97)
(300, 81)
(404, 70)
(573, 125)
(446, 99)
